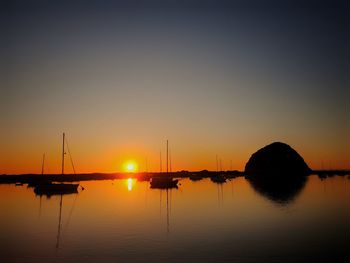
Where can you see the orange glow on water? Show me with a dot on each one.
(130, 183)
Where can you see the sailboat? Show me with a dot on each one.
(217, 177)
(48, 188)
(164, 182)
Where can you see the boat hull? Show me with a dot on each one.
(56, 189)
(218, 179)
(196, 178)
(164, 184)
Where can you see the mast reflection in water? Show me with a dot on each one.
(179, 225)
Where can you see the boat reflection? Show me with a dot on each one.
(220, 190)
(167, 206)
(281, 190)
(59, 226)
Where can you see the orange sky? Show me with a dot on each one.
(120, 82)
(107, 155)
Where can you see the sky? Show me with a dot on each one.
(218, 78)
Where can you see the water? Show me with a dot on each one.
(126, 221)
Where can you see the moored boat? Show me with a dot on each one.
(46, 187)
(195, 177)
(56, 189)
(163, 182)
(220, 178)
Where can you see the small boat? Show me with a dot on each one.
(56, 189)
(219, 179)
(163, 182)
(322, 176)
(195, 177)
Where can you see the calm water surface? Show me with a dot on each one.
(126, 221)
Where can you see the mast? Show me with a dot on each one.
(167, 156)
(42, 166)
(217, 163)
(160, 161)
(63, 155)
(170, 160)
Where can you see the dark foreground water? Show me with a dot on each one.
(126, 221)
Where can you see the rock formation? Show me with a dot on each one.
(276, 159)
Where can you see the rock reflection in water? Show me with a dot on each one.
(282, 190)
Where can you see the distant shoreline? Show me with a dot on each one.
(30, 178)
(26, 178)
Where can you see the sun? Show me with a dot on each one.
(130, 166)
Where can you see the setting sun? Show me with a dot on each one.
(130, 166)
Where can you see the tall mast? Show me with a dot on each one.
(170, 160)
(167, 157)
(42, 166)
(160, 161)
(63, 155)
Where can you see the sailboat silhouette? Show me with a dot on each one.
(48, 188)
(164, 182)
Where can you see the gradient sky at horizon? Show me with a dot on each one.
(214, 77)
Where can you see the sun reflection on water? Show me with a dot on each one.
(130, 184)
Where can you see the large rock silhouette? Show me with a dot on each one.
(276, 159)
(277, 172)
